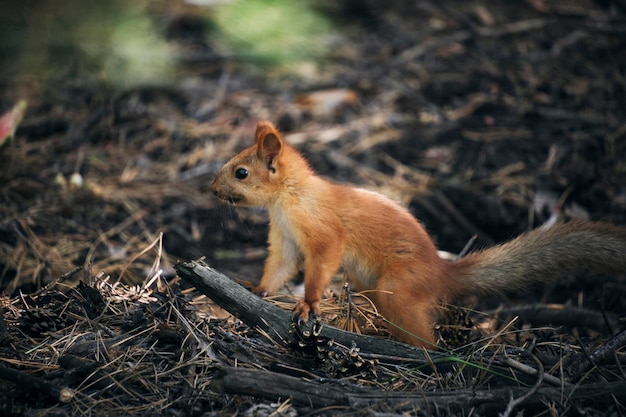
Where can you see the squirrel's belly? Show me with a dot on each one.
(360, 275)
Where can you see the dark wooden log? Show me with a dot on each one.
(276, 322)
(560, 315)
(487, 401)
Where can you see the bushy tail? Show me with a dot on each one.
(542, 255)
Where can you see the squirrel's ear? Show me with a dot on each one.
(269, 143)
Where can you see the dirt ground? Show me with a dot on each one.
(485, 119)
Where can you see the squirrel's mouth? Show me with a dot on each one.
(233, 199)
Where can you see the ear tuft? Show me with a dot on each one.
(269, 142)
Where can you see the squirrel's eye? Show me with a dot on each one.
(241, 173)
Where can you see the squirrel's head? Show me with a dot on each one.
(252, 177)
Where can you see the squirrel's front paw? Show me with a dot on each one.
(303, 309)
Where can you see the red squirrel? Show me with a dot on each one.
(321, 226)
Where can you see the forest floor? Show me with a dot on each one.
(485, 119)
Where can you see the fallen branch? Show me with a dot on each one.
(314, 394)
(559, 315)
(276, 322)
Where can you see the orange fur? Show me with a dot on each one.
(321, 227)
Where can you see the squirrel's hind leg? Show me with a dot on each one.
(409, 315)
